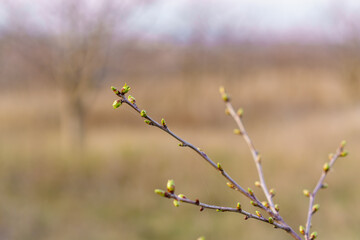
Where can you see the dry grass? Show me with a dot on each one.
(294, 118)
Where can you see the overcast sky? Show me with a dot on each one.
(176, 18)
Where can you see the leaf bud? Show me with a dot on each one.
(253, 203)
(272, 192)
(181, 196)
(160, 192)
(306, 192)
(250, 191)
(257, 184)
(271, 220)
(240, 112)
(227, 112)
(237, 131)
(238, 206)
(176, 203)
(265, 204)
(219, 167)
(230, 185)
(344, 153)
(277, 208)
(258, 214)
(326, 167)
(331, 155)
(315, 208)
(148, 122)
(313, 235)
(131, 99)
(163, 123)
(115, 90)
(302, 230)
(343, 143)
(125, 89)
(324, 185)
(143, 113)
(170, 186)
(116, 104)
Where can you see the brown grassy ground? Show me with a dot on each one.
(294, 117)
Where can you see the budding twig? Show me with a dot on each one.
(340, 152)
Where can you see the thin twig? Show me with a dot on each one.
(339, 153)
(224, 209)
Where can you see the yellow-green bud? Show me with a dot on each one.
(250, 191)
(160, 192)
(277, 208)
(265, 204)
(225, 97)
(313, 235)
(324, 185)
(344, 153)
(272, 192)
(302, 230)
(257, 184)
(116, 104)
(271, 220)
(230, 185)
(180, 144)
(238, 206)
(181, 196)
(326, 167)
(147, 122)
(170, 186)
(343, 143)
(176, 203)
(331, 155)
(143, 113)
(237, 131)
(163, 123)
(240, 112)
(315, 208)
(258, 214)
(201, 238)
(125, 89)
(306, 192)
(115, 90)
(220, 167)
(253, 203)
(131, 99)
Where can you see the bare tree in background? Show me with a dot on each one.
(71, 45)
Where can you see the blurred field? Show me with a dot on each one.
(106, 192)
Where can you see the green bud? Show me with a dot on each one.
(163, 123)
(160, 192)
(257, 184)
(225, 97)
(180, 144)
(326, 167)
(181, 196)
(176, 203)
(271, 220)
(331, 155)
(266, 204)
(272, 192)
(258, 214)
(343, 143)
(324, 185)
(302, 230)
(170, 186)
(315, 208)
(230, 185)
(237, 131)
(125, 89)
(116, 104)
(253, 203)
(277, 208)
(143, 113)
(313, 235)
(115, 90)
(220, 167)
(131, 99)
(147, 122)
(219, 210)
(344, 153)
(306, 193)
(201, 238)
(238, 206)
(250, 191)
(240, 112)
